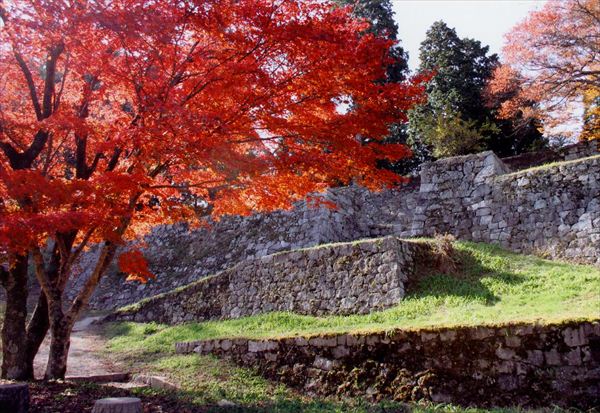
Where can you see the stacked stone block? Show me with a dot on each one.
(525, 365)
(552, 210)
(345, 278)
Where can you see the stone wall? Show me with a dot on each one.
(513, 365)
(552, 210)
(179, 257)
(345, 278)
(579, 150)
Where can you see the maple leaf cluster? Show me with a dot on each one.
(119, 115)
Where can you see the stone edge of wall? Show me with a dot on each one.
(524, 364)
(484, 180)
(544, 169)
(148, 309)
(566, 153)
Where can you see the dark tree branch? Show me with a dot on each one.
(114, 159)
(24, 68)
(30, 84)
(25, 159)
(54, 54)
(81, 170)
(36, 147)
(75, 254)
(10, 152)
(92, 168)
(3, 271)
(62, 85)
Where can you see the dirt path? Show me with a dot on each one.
(84, 353)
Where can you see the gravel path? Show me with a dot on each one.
(84, 358)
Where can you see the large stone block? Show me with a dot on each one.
(14, 398)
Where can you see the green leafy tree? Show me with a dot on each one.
(451, 135)
(462, 68)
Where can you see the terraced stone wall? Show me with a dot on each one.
(179, 257)
(552, 210)
(524, 364)
(345, 278)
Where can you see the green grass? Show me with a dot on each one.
(549, 165)
(497, 287)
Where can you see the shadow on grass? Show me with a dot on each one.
(482, 273)
(117, 329)
(467, 283)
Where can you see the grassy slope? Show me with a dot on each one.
(551, 165)
(498, 286)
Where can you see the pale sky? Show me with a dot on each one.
(483, 20)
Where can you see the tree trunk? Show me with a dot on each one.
(14, 360)
(61, 324)
(39, 324)
(60, 330)
(36, 332)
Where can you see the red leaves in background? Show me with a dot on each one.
(551, 65)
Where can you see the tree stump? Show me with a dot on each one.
(118, 405)
(14, 398)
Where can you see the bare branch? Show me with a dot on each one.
(49, 289)
(106, 256)
(75, 254)
(114, 159)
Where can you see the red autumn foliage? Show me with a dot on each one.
(232, 102)
(132, 262)
(119, 115)
(551, 58)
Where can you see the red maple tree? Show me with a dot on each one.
(114, 114)
(552, 59)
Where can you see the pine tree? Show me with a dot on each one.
(462, 68)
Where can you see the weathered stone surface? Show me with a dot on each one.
(345, 278)
(549, 210)
(466, 365)
(155, 382)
